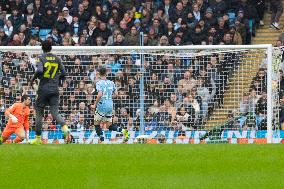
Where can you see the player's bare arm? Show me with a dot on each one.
(99, 96)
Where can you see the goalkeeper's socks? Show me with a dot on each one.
(17, 140)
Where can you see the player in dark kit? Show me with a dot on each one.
(50, 71)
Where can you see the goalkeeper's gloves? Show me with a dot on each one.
(13, 118)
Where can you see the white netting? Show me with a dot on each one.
(183, 90)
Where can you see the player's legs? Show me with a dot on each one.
(97, 122)
(119, 129)
(38, 124)
(107, 120)
(38, 120)
(20, 132)
(53, 102)
(110, 126)
(39, 107)
(8, 131)
(113, 127)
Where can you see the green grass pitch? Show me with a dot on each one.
(141, 166)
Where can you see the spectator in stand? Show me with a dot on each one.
(3, 37)
(48, 124)
(210, 19)
(278, 43)
(119, 41)
(168, 7)
(75, 27)
(132, 37)
(250, 13)
(198, 36)
(112, 38)
(236, 36)
(61, 24)
(261, 112)
(242, 19)
(8, 28)
(66, 15)
(47, 20)
(193, 16)
(16, 19)
(16, 41)
(81, 124)
(104, 32)
(163, 41)
(112, 25)
(184, 119)
(219, 7)
(227, 39)
(277, 10)
(241, 29)
(260, 7)
(67, 38)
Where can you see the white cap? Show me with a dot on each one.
(65, 9)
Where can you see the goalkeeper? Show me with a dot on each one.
(18, 122)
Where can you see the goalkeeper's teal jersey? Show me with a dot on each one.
(107, 87)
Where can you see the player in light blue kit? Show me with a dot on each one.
(104, 106)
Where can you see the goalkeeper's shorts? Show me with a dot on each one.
(8, 131)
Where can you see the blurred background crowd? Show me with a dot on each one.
(119, 22)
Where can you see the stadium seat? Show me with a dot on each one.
(34, 31)
(43, 33)
(232, 16)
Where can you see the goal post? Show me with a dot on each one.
(157, 84)
(269, 94)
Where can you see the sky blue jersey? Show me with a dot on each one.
(105, 105)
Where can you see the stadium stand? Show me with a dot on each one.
(87, 22)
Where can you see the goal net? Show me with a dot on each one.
(187, 94)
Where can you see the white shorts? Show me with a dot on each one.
(100, 117)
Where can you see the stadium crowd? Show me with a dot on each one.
(119, 22)
(179, 93)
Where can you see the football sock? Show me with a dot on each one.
(99, 132)
(17, 140)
